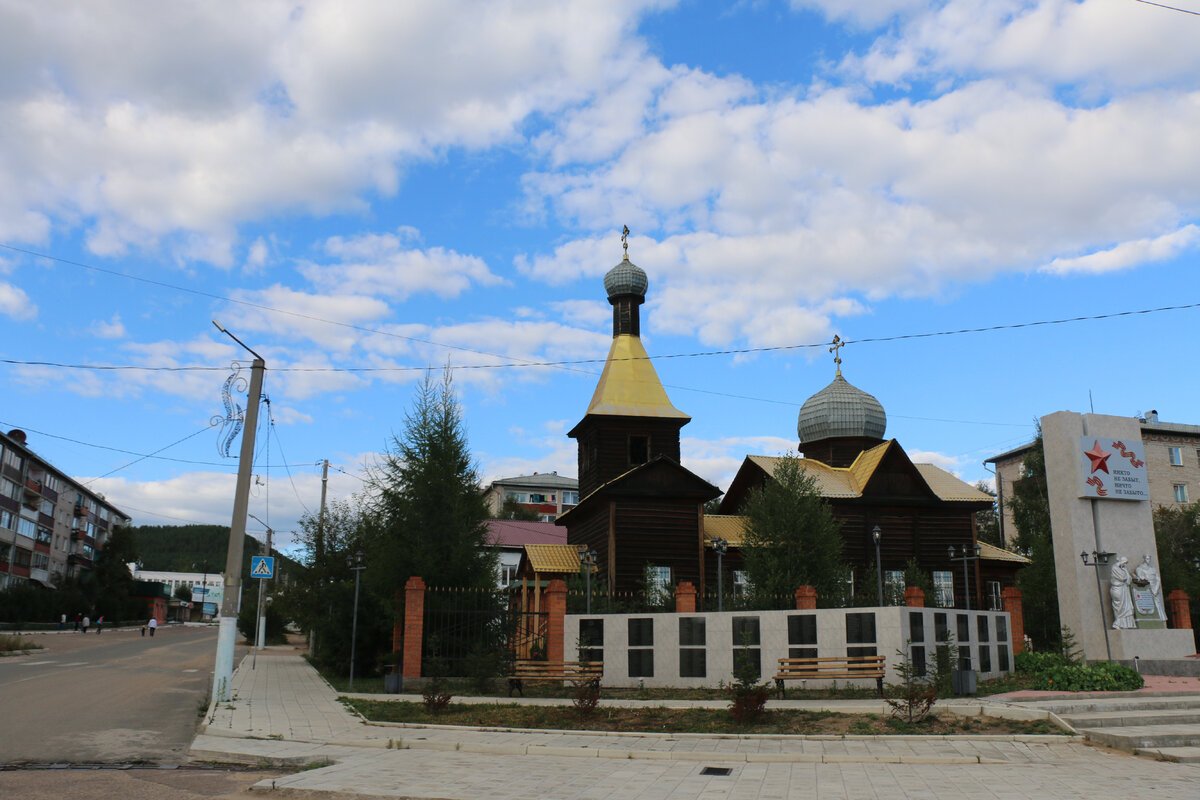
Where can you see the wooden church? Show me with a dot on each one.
(642, 512)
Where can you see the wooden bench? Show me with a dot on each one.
(831, 668)
(577, 672)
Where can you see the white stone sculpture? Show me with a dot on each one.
(1146, 575)
(1119, 581)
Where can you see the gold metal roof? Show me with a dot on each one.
(993, 553)
(725, 526)
(629, 386)
(848, 482)
(556, 558)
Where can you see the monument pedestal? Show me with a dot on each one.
(1099, 505)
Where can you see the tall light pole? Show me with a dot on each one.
(877, 534)
(260, 632)
(227, 632)
(356, 564)
(968, 554)
(720, 546)
(587, 559)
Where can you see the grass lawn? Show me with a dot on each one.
(12, 645)
(692, 720)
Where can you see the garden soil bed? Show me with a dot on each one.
(691, 720)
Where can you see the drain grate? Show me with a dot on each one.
(717, 771)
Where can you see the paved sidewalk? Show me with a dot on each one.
(283, 713)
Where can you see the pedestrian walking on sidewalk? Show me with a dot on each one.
(99, 624)
(152, 625)
(78, 617)
(62, 622)
(84, 626)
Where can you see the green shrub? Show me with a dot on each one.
(1104, 676)
(1028, 663)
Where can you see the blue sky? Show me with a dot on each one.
(363, 190)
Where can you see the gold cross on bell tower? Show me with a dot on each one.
(625, 240)
(838, 344)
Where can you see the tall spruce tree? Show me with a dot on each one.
(1031, 516)
(792, 538)
(428, 517)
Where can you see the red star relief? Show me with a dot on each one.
(1098, 456)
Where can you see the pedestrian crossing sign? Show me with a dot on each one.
(262, 566)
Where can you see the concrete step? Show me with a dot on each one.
(1118, 704)
(1121, 718)
(1144, 737)
(1183, 755)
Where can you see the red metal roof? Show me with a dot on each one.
(515, 533)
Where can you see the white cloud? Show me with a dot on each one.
(15, 303)
(952, 464)
(217, 114)
(1129, 254)
(113, 329)
(380, 264)
(1095, 44)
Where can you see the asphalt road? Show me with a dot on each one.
(108, 698)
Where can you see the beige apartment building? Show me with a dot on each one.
(50, 525)
(1172, 467)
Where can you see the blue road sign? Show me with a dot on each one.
(262, 566)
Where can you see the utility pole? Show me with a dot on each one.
(227, 631)
(260, 631)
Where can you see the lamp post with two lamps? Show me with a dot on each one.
(355, 563)
(720, 547)
(1100, 558)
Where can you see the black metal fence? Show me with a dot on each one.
(473, 632)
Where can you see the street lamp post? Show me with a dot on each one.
(227, 632)
(720, 547)
(1100, 559)
(968, 554)
(587, 559)
(356, 564)
(877, 534)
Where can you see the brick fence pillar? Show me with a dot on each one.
(1010, 600)
(914, 596)
(1181, 615)
(414, 627)
(556, 611)
(806, 598)
(685, 598)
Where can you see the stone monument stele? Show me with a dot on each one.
(1100, 504)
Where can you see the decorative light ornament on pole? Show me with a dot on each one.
(720, 547)
(1100, 558)
(355, 563)
(877, 534)
(587, 559)
(260, 629)
(227, 631)
(968, 554)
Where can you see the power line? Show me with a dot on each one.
(143, 458)
(271, 429)
(1169, 8)
(520, 363)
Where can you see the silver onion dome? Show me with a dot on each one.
(840, 409)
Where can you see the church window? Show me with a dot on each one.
(639, 449)
(943, 588)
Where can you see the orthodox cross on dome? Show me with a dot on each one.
(837, 345)
(625, 240)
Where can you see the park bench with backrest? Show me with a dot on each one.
(831, 668)
(575, 672)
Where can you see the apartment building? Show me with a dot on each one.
(50, 525)
(547, 494)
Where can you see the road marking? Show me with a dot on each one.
(75, 664)
(35, 663)
(191, 670)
